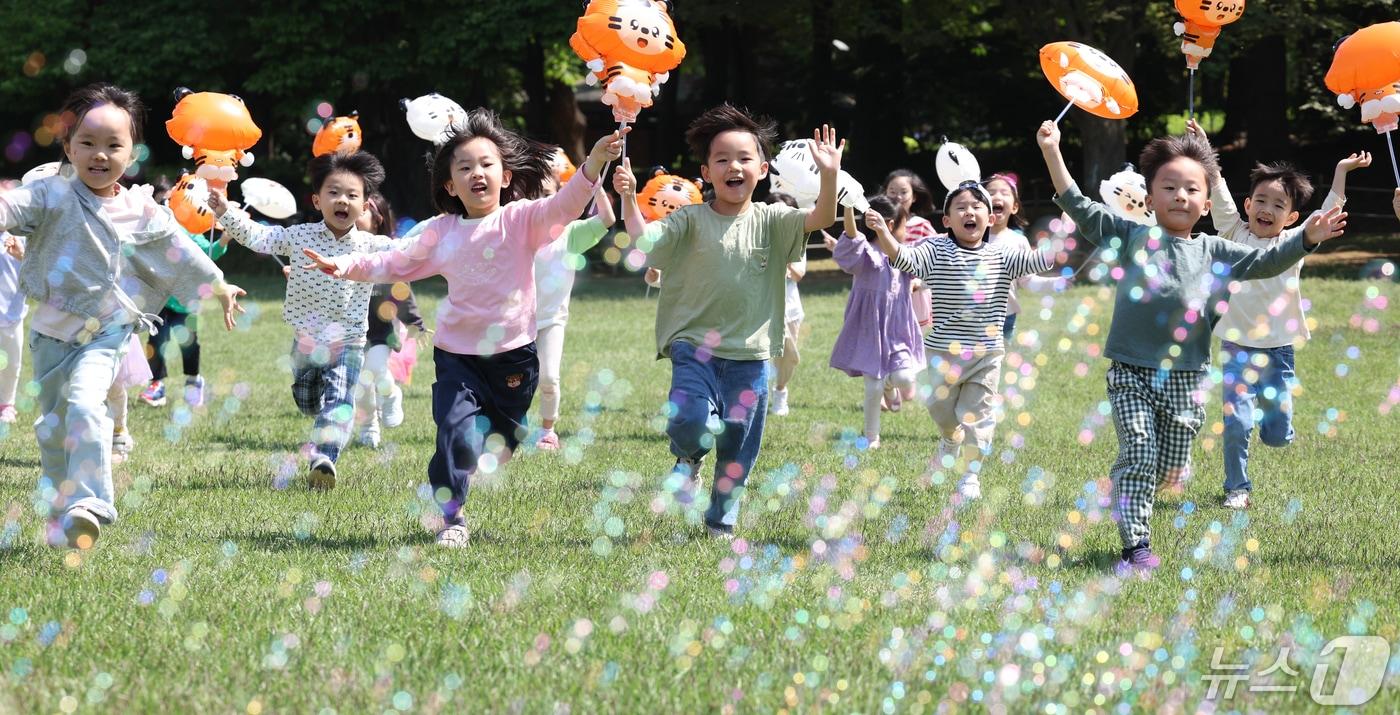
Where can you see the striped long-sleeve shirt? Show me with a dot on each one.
(970, 289)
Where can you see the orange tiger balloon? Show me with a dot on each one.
(563, 168)
(189, 202)
(631, 47)
(1200, 25)
(212, 121)
(218, 168)
(341, 134)
(665, 193)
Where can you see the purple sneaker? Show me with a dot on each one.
(1139, 559)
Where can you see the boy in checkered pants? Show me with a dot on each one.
(1173, 287)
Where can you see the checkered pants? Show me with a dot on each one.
(1157, 414)
(323, 384)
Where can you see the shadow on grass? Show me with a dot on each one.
(284, 541)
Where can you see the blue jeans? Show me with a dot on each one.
(74, 429)
(1258, 386)
(718, 404)
(323, 386)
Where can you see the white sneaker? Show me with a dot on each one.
(970, 487)
(455, 536)
(391, 407)
(369, 435)
(778, 403)
(122, 443)
(1237, 499)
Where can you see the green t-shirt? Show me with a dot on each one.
(213, 249)
(723, 277)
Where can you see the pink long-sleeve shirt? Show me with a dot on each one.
(489, 264)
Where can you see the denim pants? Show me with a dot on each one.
(475, 396)
(1258, 384)
(718, 404)
(74, 429)
(323, 386)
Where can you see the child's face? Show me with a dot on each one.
(368, 219)
(478, 175)
(1270, 210)
(901, 192)
(341, 201)
(1179, 195)
(967, 218)
(550, 186)
(735, 166)
(1004, 203)
(100, 148)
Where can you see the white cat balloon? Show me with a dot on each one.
(1125, 194)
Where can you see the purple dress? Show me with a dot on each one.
(880, 334)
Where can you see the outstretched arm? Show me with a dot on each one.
(1048, 137)
(826, 154)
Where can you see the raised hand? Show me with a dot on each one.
(607, 148)
(1194, 128)
(322, 264)
(1048, 136)
(1359, 160)
(826, 152)
(1325, 226)
(624, 183)
(218, 203)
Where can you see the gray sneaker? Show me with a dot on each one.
(454, 536)
(722, 532)
(81, 528)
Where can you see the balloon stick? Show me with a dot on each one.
(621, 126)
(1191, 94)
(1062, 112)
(1391, 143)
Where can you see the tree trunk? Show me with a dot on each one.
(566, 120)
(537, 95)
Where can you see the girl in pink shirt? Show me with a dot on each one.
(484, 244)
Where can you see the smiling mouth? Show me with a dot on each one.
(641, 42)
(479, 189)
(342, 214)
(998, 209)
(735, 182)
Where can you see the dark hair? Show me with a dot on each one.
(529, 162)
(383, 213)
(1013, 220)
(968, 187)
(778, 197)
(923, 198)
(1295, 183)
(362, 164)
(84, 100)
(160, 188)
(893, 213)
(1161, 150)
(728, 118)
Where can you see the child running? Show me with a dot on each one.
(484, 244)
(720, 314)
(1265, 322)
(176, 323)
(909, 191)
(98, 260)
(328, 317)
(1170, 295)
(785, 366)
(972, 279)
(880, 338)
(555, 266)
(1008, 227)
(12, 312)
(379, 400)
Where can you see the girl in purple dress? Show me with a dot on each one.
(880, 338)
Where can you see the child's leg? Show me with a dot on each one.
(332, 426)
(743, 404)
(905, 381)
(976, 402)
(116, 406)
(156, 346)
(74, 431)
(787, 362)
(308, 387)
(874, 390)
(466, 389)
(1134, 473)
(1276, 388)
(11, 354)
(373, 384)
(1238, 407)
(694, 403)
(189, 347)
(1179, 419)
(945, 378)
(550, 347)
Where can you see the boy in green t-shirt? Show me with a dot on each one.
(720, 314)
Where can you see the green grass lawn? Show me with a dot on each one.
(229, 587)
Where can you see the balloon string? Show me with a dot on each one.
(1391, 143)
(1191, 94)
(1062, 112)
